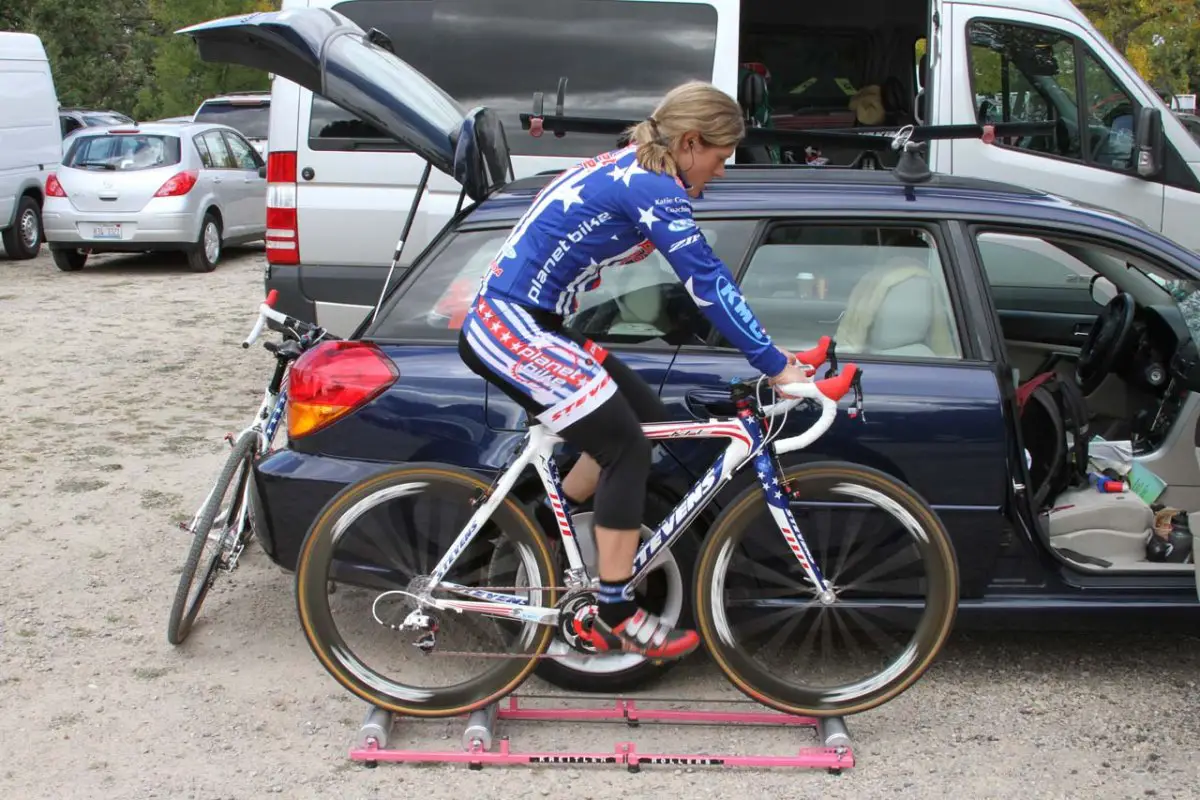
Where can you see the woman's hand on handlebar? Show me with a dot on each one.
(792, 373)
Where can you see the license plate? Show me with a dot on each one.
(106, 231)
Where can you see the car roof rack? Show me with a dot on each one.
(911, 169)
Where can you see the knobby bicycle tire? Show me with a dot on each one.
(183, 615)
(759, 683)
(313, 571)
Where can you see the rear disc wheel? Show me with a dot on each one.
(379, 540)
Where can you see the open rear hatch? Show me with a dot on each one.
(325, 52)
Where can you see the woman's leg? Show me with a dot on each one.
(569, 391)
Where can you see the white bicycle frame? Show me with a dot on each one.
(266, 422)
(746, 442)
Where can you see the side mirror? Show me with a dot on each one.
(262, 171)
(1149, 149)
(1103, 290)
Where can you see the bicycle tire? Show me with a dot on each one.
(183, 614)
(313, 575)
(759, 683)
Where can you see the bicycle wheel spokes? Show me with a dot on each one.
(218, 529)
(893, 582)
(382, 559)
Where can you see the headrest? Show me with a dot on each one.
(904, 314)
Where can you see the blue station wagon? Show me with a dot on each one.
(951, 294)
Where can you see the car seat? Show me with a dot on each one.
(1100, 529)
(895, 309)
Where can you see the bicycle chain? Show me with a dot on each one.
(499, 654)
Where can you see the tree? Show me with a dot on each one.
(1159, 38)
(182, 80)
(98, 54)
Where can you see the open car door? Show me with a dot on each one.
(325, 52)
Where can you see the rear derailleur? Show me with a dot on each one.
(417, 618)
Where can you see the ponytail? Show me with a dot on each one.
(693, 106)
(653, 149)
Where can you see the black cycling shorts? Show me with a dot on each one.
(576, 388)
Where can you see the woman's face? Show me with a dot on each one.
(700, 162)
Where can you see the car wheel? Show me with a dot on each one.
(203, 257)
(24, 239)
(69, 260)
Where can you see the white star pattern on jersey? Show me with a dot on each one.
(607, 211)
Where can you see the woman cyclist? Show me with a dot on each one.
(616, 208)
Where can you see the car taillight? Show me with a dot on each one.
(333, 379)
(178, 185)
(283, 232)
(53, 187)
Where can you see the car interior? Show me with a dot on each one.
(1124, 332)
(829, 66)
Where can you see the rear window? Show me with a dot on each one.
(123, 152)
(434, 305)
(619, 59)
(251, 120)
(106, 119)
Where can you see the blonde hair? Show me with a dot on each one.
(693, 106)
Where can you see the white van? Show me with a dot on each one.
(341, 190)
(30, 140)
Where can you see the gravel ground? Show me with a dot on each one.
(96, 704)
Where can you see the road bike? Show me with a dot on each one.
(223, 531)
(433, 552)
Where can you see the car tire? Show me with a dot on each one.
(24, 239)
(205, 254)
(69, 260)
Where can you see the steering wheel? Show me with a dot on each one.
(1106, 341)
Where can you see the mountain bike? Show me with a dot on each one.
(434, 552)
(224, 532)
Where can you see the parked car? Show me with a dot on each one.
(194, 188)
(949, 294)
(72, 119)
(247, 112)
(30, 141)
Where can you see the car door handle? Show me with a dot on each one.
(704, 403)
(1083, 328)
(216, 179)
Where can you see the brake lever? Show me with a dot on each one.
(856, 411)
(831, 357)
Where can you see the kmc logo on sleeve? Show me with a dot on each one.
(735, 305)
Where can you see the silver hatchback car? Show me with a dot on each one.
(193, 188)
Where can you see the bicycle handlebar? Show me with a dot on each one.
(817, 355)
(266, 313)
(827, 392)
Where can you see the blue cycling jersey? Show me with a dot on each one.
(607, 211)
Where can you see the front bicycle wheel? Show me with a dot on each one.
(373, 547)
(894, 581)
(213, 530)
